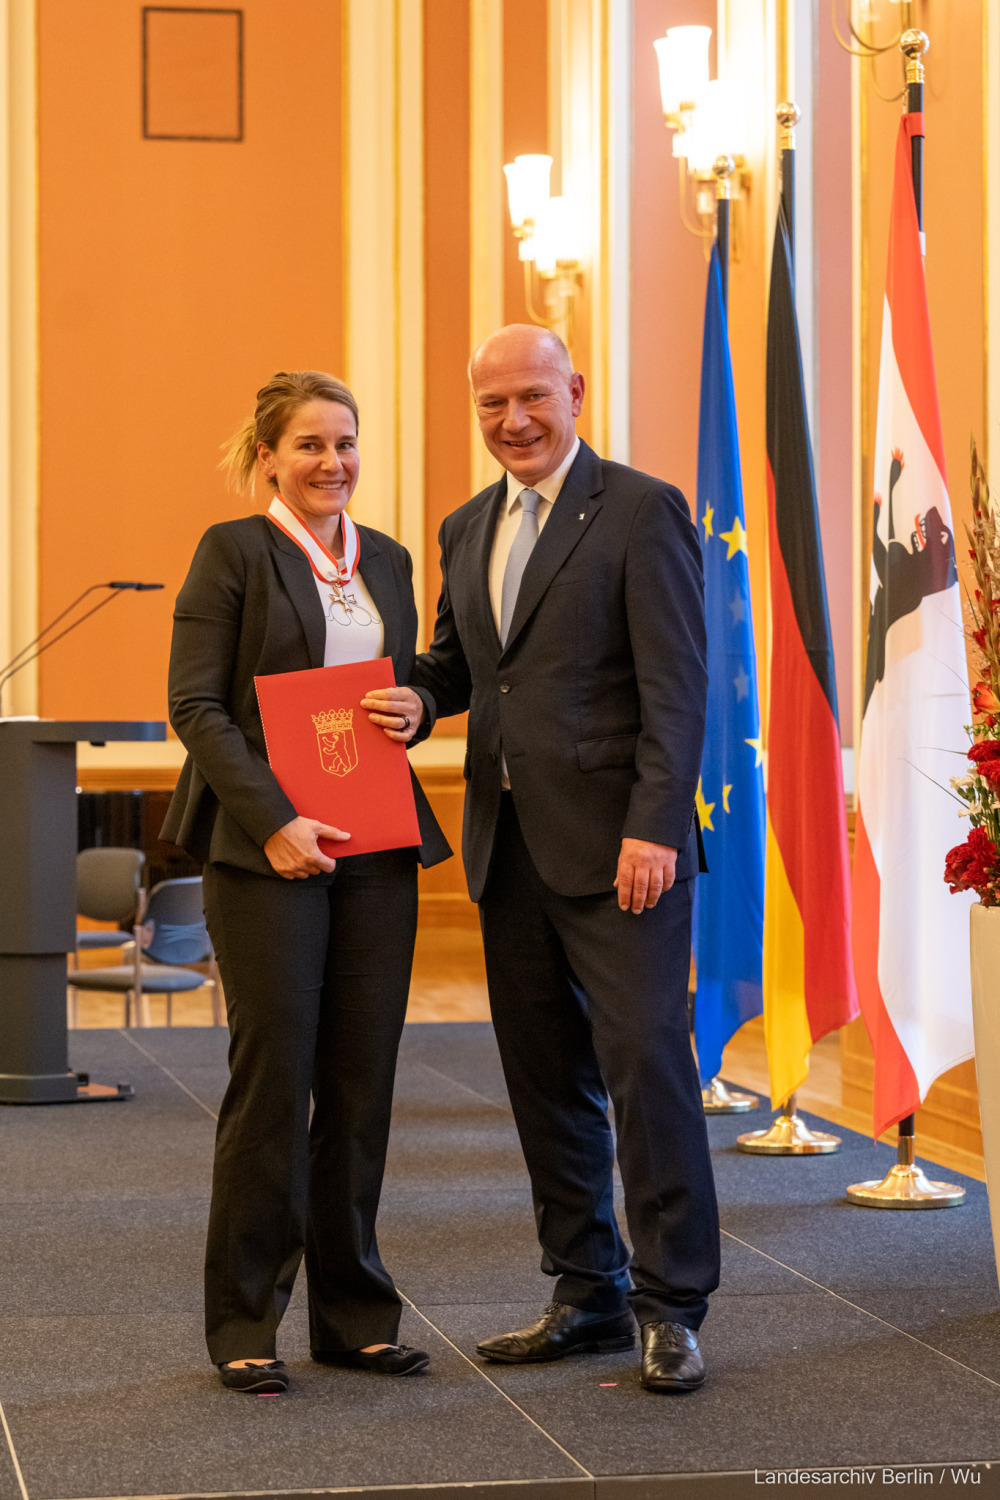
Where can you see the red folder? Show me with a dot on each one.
(334, 764)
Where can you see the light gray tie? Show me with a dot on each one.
(517, 559)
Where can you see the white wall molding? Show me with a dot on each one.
(991, 249)
(18, 346)
(579, 113)
(410, 394)
(384, 262)
(803, 87)
(619, 209)
(486, 200)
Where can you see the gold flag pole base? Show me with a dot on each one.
(717, 1099)
(788, 1135)
(906, 1186)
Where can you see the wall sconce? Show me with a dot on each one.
(708, 118)
(550, 237)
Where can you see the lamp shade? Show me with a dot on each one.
(718, 126)
(683, 58)
(558, 234)
(527, 187)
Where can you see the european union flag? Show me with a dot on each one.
(729, 914)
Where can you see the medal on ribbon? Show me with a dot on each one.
(345, 608)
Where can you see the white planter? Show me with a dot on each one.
(984, 933)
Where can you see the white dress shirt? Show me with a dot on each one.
(508, 522)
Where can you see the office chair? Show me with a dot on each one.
(108, 889)
(170, 933)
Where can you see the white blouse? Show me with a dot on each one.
(354, 634)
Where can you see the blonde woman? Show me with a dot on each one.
(315, 954)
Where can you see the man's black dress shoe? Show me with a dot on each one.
(561, 1330)
(671, 1359)
(396, 1359)
(255, 1380)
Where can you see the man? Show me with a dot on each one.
(571, 624)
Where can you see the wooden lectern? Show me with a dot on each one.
(38, 846)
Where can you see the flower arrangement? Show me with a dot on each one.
(975, 865)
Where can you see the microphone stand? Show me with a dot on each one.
(16, 662)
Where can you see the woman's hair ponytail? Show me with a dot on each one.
(277, 403)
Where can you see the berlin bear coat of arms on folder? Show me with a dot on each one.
(338, 751)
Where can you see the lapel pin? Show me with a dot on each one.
(581, 515)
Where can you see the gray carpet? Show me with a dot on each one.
(839, 1337)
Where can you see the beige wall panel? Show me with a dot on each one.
(487, 223)
(18, 348)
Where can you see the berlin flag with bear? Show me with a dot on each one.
(910, 935)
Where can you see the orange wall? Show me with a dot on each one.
(175, 278)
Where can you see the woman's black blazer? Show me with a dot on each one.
(249, 606)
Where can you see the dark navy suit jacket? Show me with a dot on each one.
(599, 696)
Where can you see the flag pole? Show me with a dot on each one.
(913, 45)
(788, 117)
(788, 1134)
(907, 1185)
(716, 1097)
(722, 169)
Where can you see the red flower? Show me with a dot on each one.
(983, 699)
(972, 866)
(984, 750)
(989, 770)
(956, 863)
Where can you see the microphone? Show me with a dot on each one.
(22, 659)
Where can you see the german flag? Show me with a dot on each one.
(808, 973)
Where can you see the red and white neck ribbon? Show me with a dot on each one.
(323, 563)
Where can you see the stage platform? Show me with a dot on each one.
(840, 1337)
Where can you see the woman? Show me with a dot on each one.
(315, 956)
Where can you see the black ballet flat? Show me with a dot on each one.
(256, 1380)
(397, 1359)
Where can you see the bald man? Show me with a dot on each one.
(571, 625)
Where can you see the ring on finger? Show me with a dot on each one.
(406, 722)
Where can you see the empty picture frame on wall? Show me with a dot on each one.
(192, 73)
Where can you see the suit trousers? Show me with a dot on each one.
(316, 974)
(590, 1002)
